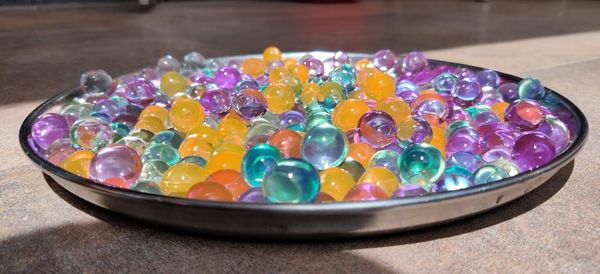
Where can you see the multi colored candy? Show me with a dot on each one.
(275, 129)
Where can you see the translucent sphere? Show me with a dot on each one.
(421, 164)
(488, 78)
(531, 88)
(377, 128)
(257, 161)
(291, 181)
(488, 173)
(324, 146)
(162, 152)
(96, 81)
(414, 61)
(48, 128)
(384, 59)
(140, 92)
(466, 93)
(167, 63)
(116, 165)
(532, 150)
(445, 82)
(91, 133)
(216, 101)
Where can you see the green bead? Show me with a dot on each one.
(421, 164)
(153, 170)
(197, 160)
(165, 153)
(488, 173)
(291, 180)
(460, 170)
(147, 187)
(474, 110)
(167, 137)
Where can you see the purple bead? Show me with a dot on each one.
(488, 78)
(36, 149)
(315, 66)
(149, 74)
(227, 77)
(107, 107)
(140, 92)
(408, 95)
(532, 150)
(394, 146)
(117, 165)
(500, 137)
(457, 114)
(509, 91)
(465, 74)
(431, 107)
(216, 101)
(59, 150)
(414, 61)
(460, 140)
(253, 195)
(353, 136)
(377, 128)
(48, 128)
(249, 104)
(484, 118)
(497, 153)
(257, 139)
(247, 84)
(490, 97)
(290, 118)
(466, 93)
(95, 98)
(409, 191)
(126, 118)
(384, 59)
(468, 160)
(524, 114)
(557, 131)
(340, 58)
(451, 182)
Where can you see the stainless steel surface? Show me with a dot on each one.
(345, 219)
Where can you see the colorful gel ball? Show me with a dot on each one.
(291, 181)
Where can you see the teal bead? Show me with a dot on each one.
(120, 130)
(531, 88)
(459, 170)
(167, 137)
(153, 171)
(147, 187)
(133, 142)
(257, 161)
(344, 75)
(316, 80)
(119, 100)
(474, 110)
(354, 168)
(509, 166)
(197, 160)
(162, 152)
(456, 125)
(297, 127)
(324, 146)
(387, 159)
(291, 180)
(488, 173)
(421, 164)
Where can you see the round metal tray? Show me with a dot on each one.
(300, 221)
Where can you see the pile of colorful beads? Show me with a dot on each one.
(269, 129)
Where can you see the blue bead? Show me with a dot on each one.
(488, 173)
(162, 152)
(257, 161)
(324, 146)
(167, 137)
(291, 180)
(450, 182)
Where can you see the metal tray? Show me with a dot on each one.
(303, 221)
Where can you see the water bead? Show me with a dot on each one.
(384, 59)
(249, 104)
(195, 145)
(315, 66)
(460, 170)
(253, 195)
(365, 192)
(395, 107)
(116, 165)
(48, 128)
(167, 63)
(324, 146)
(141, 92)
(78, 163)
(557, 131)
(90, 133)
(409, 191)
(195, 60)
(345, 115)
(271, 54)
(499, 109)
(524, 114)
(488, 78)
(209, 191)
(107, 107)
(469, 160)
(488, 173)
(361, 152)
(289, 118)
(151, 124)
(387, 159)
(531, 88)
(155, 111)
(331, 90)
(377, 129)
(451, 182)
(380, 86)
(381, 177)
(532, 150)
(153, 170)
(336, 182)
(413, 129)
(216, 101)
(59, 150)
(178, 179)
(340, 58)
(291, 180)
(466, 93)
(224, 160)
(287, 141)
(421, 164)
(96, 81)
(143, 134)
(227, 77)
(309, 93)
(172, 83)
(186, 114)
(280, 98)
(134, 142)
(324, 198)
(414, 61)
(167, 137)
(232, 130)
(463, 139)
(162, 152)
(445, 82)
(253, 66)
(231, 180)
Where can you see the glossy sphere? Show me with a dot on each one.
(195, 145)
(409, 191)
(331, 91)
(116, 165)
(315, 66)
(161, 152)
(201, 162)
(78, 163)
(387, 159)
(249, 103)
(291, 181)
(216, 101)
(167, 137)
(253, 195)
(379, 86)
(288, 142)
(421, 164)
(346, 114)
(96, 81)
(413, 129)
(381, 177)
(280, 98)
(231, 180)
(140, 92)
(257, 161)
(59, 150)
(532, 150)
(361, 152)
(147, 187)
(468, 160)
(499, 109)
(151, 124)
(488, 173)
(227, 77)
(224, 160)
(186, 114)
(488, 78)
(209, 191)
(90, 133)
(557, 131)
(152, 171)
(336, 182)
(48, 128)
(384, 59)
(271, 54)
(395, 107)
(178, 179)
(524, 114)
(377, 129)
(414, 61)
(509, 92)
(531, 88)
(466, 93)
(253, 66)
(232, 130)
(309, 93)
(450, 182)
(172, 83)
(445, 82)
(365, 192)
(300, 71)
(324, 146)
(207, 134)
(156, 112)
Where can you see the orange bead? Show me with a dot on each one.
(224, 160)
(207, 134)
(231, 180)
(499, 108)
(438, 139)
(156, 112)
(271, 54)
(361, 152)
(289, 62)
(151, 124)
(254, 67)
(277, 73)
(287, 141)
(209, 191)
(380, 86)
(324, 198)
(346, 114)
(78, 163)
(395, 107)
(300, 71)
(363, 75)
(362, 64)
(186, 114)
(195, 145)
(309, 93)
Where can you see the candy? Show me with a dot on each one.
(291, 181)
(116, 165)
(324, 146)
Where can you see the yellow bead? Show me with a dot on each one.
(363, 75)
(224, 160)
(361, 152)
(300, 71)
(288, 62)
(195, 145)
(358, 95)
(499, 108)
(172, 83)
(152, 124)
(309, 93)
(271, 54)
(381, 177)
(362, 64)
(336, 182)
(278, 72)
(207, 134)
(156, 112)
(395, 107)
(292, 82)
(186, 114)
(406, 128)
(229, 147)
(280, 98)
(380, 86)
(331, 89)
(180, 177)
(232, 126)
(253, 66)
(346, 114)
(78, 163)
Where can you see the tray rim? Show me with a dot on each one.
(317, 209)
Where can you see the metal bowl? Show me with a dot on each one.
(301, 221)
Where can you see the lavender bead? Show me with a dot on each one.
(140, 92)
(107, 107)
(509, 92)
(216, 101)
(409, 191)
(488, 78)
(290, 118)
(59, 150)
(384, 59)
(414, 61)
(253, 195)
(96, 81)
(557, 131)
(315, 66)
(48, 128)
(532, 150)
(466, 159)
(227, 77)
(117, 165)
(466, 93)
